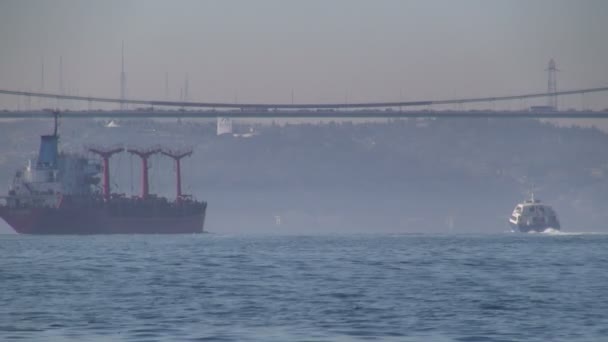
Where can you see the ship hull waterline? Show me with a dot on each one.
(90, 221)
(539, 228)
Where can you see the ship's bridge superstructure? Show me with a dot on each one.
(52, 175)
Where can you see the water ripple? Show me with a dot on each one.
(321, 288)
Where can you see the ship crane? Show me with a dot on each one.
(105, 154)
(144, 154)
(177, 156)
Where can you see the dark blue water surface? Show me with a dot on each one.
(210, 287)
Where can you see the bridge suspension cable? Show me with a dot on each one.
(258, 106)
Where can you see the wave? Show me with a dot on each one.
(552, 231)
(556, 232)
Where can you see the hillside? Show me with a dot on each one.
(400, 176)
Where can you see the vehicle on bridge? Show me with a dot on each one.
(254, 109)
(542, 109)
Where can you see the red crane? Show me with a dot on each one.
(178, 156)
(144, 154)
(105, 154)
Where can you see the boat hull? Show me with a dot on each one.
(87, 221)
(538, 228)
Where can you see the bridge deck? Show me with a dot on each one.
(362, 114)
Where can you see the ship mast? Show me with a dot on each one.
(144, 154)
(105, 155)
(177, 156)
(55, 119)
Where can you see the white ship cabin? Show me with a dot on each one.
(531, 212)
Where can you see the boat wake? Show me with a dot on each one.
(556, 232)
(553, 231)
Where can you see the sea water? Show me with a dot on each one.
(210, 287)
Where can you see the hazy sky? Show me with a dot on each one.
(325, 50)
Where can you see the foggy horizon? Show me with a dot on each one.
(351, 51)
(430, 221)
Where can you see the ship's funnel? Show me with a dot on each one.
(47, 156)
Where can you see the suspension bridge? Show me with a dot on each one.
(188, 109)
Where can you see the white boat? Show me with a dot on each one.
(533, 216)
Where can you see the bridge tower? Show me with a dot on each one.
(144, 154)
(105, 154)
(552, 84)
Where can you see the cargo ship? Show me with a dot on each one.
(533, 216)
(59, 193)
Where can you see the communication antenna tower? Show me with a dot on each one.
(123, 78)
(41, 74)
(552, 84)
(61, 89)
(166, 85)
(40, 100)
(186, 97)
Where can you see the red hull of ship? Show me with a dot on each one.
(97, 221)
